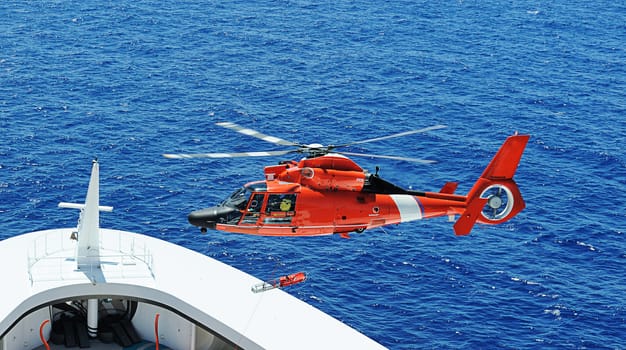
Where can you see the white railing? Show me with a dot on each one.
(53, 257)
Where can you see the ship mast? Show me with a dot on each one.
(88, 236)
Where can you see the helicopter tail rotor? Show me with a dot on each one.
(495, 197)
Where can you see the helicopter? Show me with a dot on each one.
(326, 192)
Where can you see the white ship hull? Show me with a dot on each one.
(62, 291)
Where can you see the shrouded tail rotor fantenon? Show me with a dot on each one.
(500, 202)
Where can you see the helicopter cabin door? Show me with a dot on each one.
(280, 210)
(253, 212)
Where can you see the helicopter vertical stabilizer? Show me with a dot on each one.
(495, 197)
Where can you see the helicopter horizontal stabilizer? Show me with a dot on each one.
(449, 187)
(495, 197)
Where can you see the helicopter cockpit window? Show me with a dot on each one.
(239, 199)
(254, 209)
(280, 208)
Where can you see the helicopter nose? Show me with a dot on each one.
(205, 218)
(209, 217)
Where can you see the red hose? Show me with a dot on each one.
(43, 340)
(156, 331)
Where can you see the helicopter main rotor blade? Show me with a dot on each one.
(242, 130)
(407, 159)
(405, 133)
(227, 155)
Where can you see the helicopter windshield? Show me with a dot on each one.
(239, 198)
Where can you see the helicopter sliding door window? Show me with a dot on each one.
(252, 213)
(280, 208)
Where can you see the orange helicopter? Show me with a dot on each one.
(327, 193)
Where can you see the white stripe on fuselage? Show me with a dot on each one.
(408, 207)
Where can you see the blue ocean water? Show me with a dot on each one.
(126, 81)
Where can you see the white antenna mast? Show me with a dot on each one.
(88, 253)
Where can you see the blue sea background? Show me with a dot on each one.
(126, 81)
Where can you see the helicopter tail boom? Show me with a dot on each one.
(495, 197)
